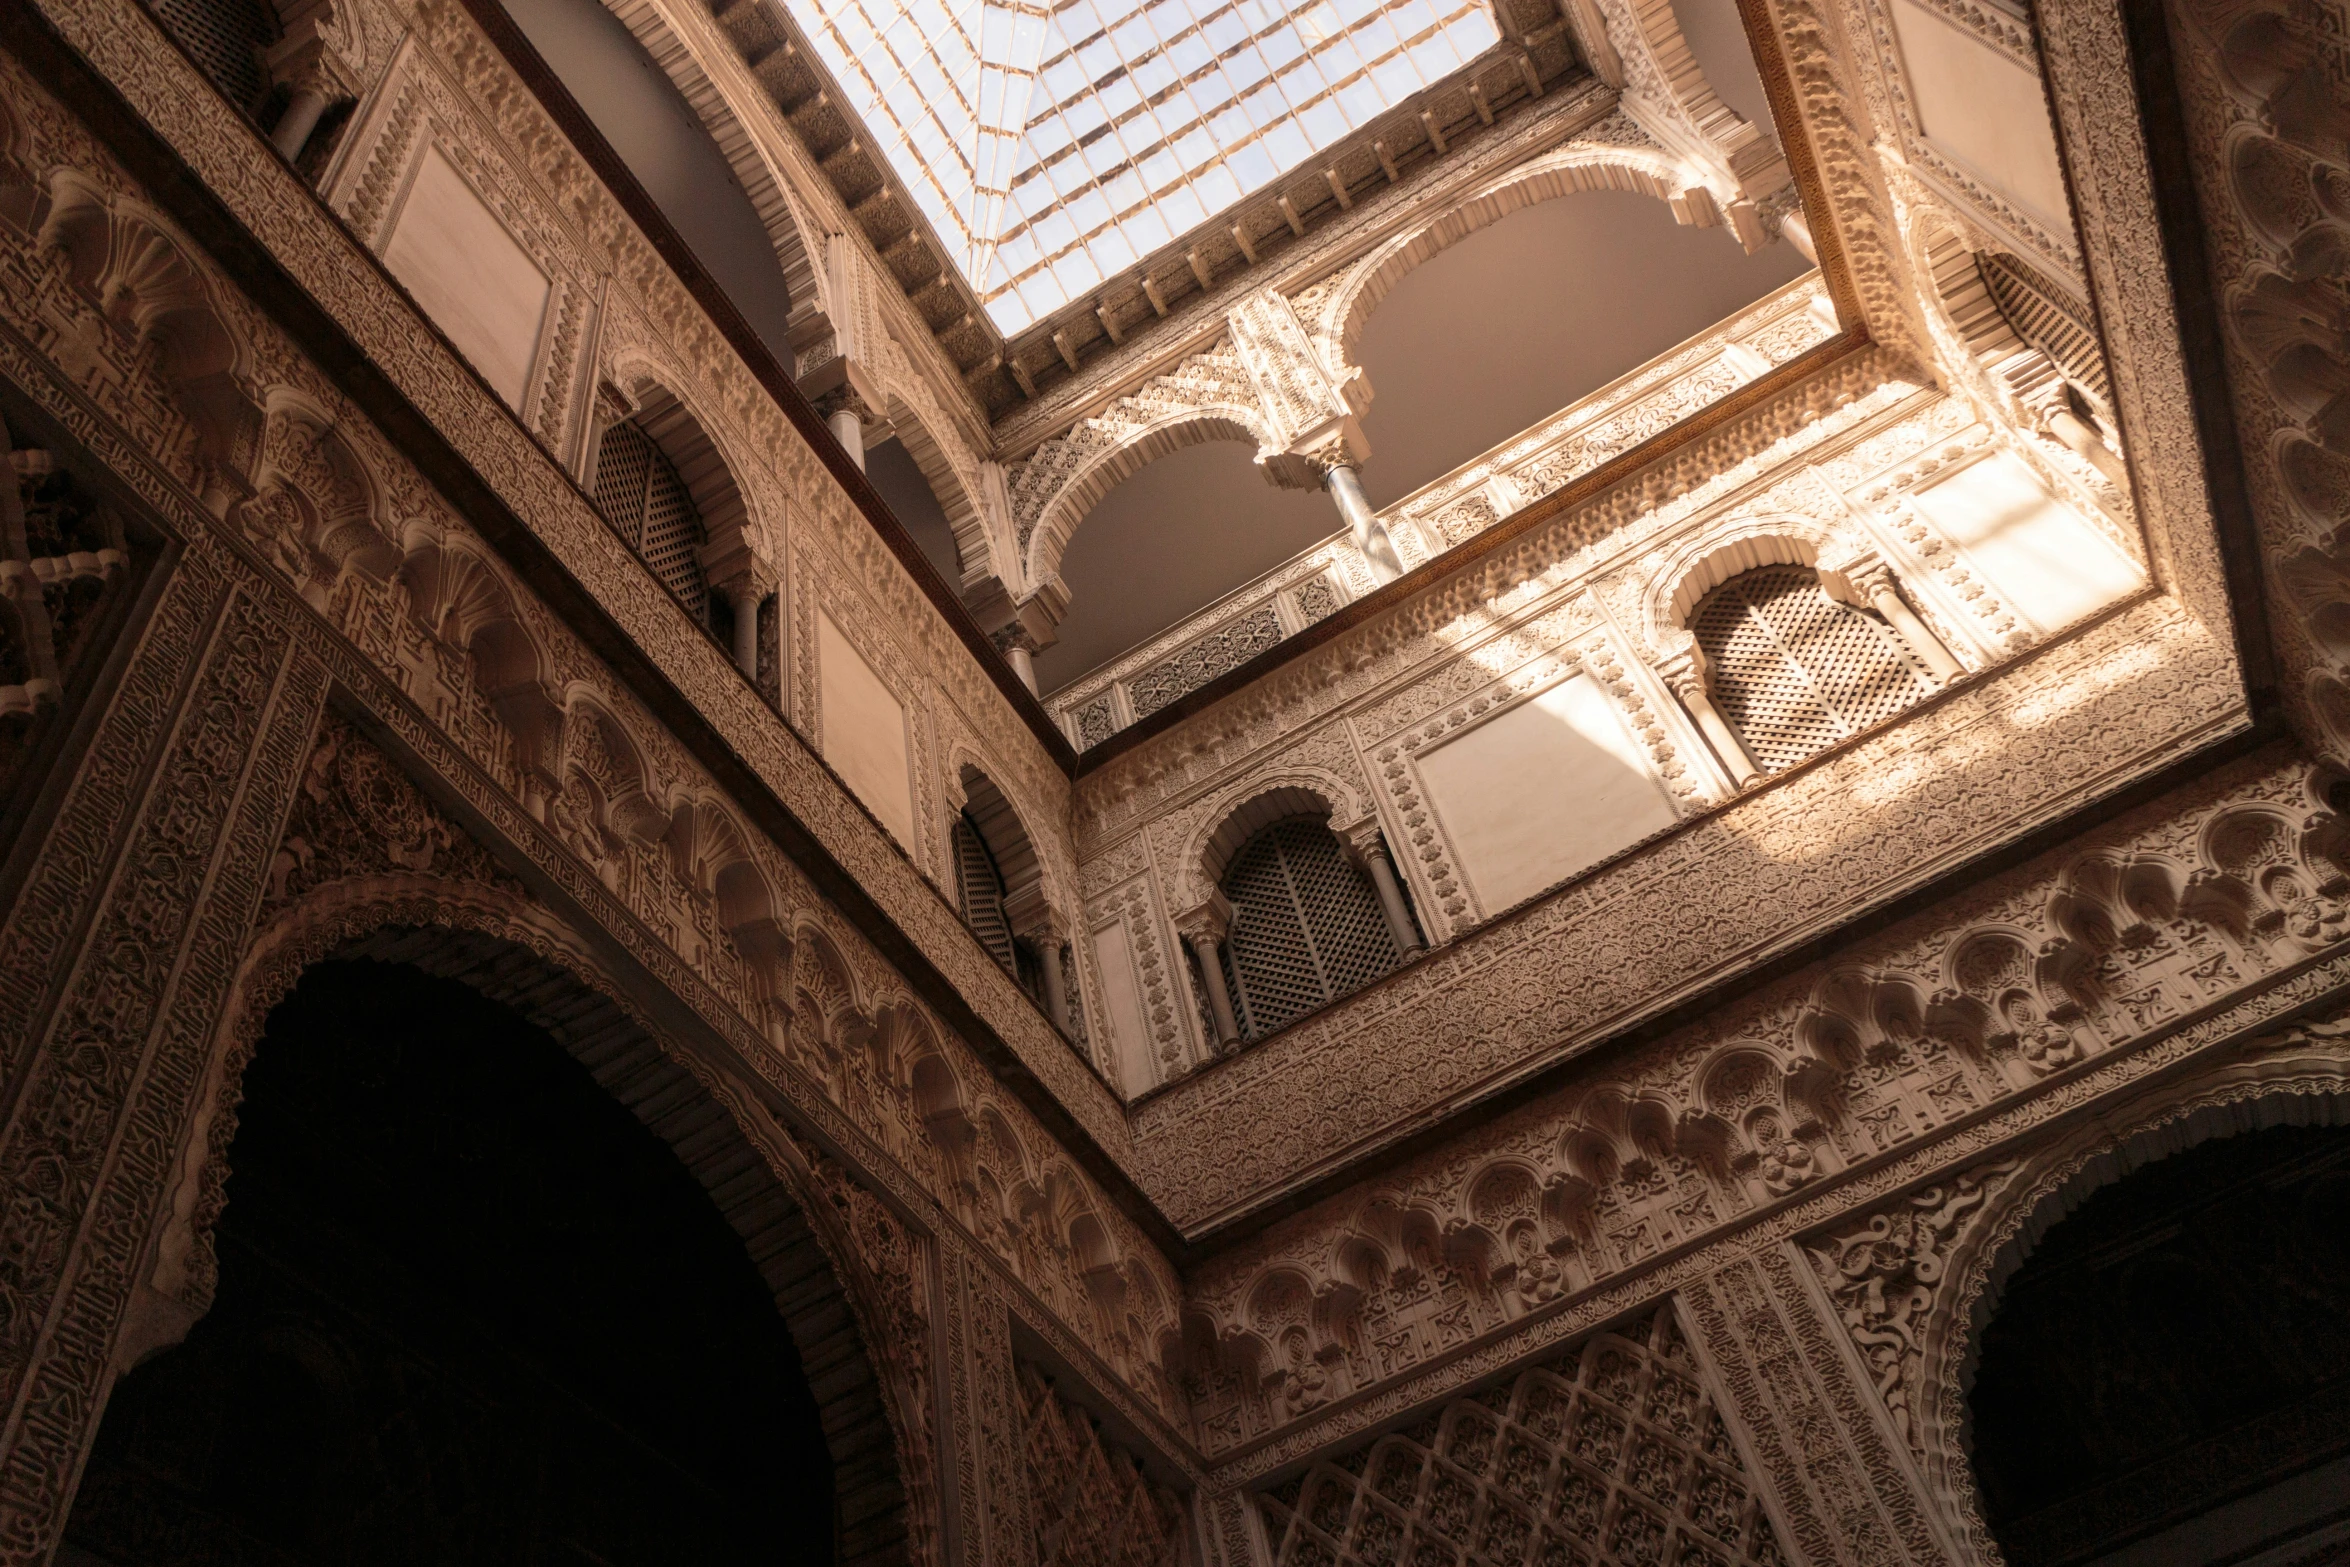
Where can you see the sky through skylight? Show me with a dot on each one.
(1054, 145)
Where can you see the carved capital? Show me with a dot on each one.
(1209, 920)
(842, 385)
(308, 59)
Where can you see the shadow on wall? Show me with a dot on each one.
(900, 482)
(1513, 323)
(663, 143)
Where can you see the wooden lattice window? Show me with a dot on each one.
(981, 896)
(1793, 670)
(1611, 1456)
(225, 39)
(1306, 926)
(640, 494)
(980, 890)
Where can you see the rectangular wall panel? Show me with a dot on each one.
(865, 731)
(2050, 566)
(479, 286)
(1541, 791)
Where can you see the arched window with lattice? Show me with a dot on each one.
(1307, 927)
(979, 889)
(648, 505)
(999, 891)
(1793, 670)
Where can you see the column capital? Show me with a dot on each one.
(1307, 463)
(1033, 917)
(308, 57)
(841, 385)
(1361, 839)
(1210, 920)
(1686, 670)
(1858, 579)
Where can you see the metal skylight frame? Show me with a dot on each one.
(1054, 143)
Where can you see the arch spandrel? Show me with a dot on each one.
(1066, 478)
(1915, 1280)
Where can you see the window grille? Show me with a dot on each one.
(1793, 670)
(980, 888)
(640, 494)
(224, 38)
(1613, 1455)
(1306, 926)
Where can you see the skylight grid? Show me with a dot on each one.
(1054, 144)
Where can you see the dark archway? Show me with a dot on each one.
(2167, 1376)
(470, 1309)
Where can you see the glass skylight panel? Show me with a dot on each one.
(1049, 144)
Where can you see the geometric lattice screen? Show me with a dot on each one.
(1306, 926)
(980, 890)
(640, 494)
(1089, 1503)
(1793, 670)
(1611, 1456)
(223, 38)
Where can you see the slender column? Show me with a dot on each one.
(1204, 928)
(1056, 986)
(1796, 229)
(849, 430)
(292, 132)
(2082, 437)
(1878, 587)
(744, 594)
(1211, 973)
(1688, 684)
(1024, 665)
(1370, 535)
(1371, 849)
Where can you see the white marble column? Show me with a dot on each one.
(1362, 524)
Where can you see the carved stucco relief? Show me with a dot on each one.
(223, 148)
(1913, 1280)
(646, 841)
(1921, 1028)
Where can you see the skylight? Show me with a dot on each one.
(1054, 145)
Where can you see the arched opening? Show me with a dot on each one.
(898, 478)
(999, 888)
(640, 493)
(1307, 926)
(1794, 671)
(672, 153)
(1168, 541)
(1609, 281)
(665, 488)
(2166, 1378)
(468, 1308)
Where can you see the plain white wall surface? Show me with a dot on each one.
(471, 276)
(2049, 565)
(865, 731)
(1541, 791)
